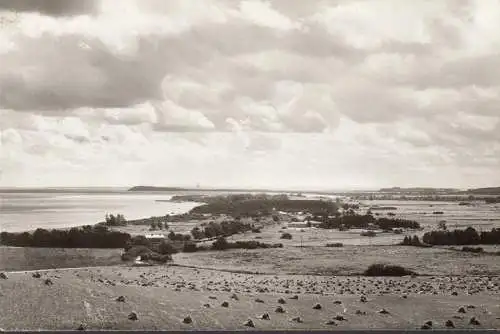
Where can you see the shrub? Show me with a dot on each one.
(472, 249)
(133, 252)
(381, 269)
(140, 240)
(155, 257)
(190, 247)
(197, 233)
(286, 235)
(166, 248)
(336, 244)
(415, 241)
(220, 244)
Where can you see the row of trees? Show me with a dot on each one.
(364, 221)
(225, 228)
(97, 236)
(222, 244)
(469, 236)
(157, 225)
(112, 220)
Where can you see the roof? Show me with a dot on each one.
(154, 236)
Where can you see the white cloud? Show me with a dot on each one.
(318, 93)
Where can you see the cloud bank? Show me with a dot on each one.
(278, 93)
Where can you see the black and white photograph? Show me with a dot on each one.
(249, 165)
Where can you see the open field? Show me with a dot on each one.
(347, 260)
(27, 258)
(163, 296)
(311, 236)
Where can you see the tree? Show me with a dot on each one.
(442, 225)
(415, 241)
(220, 244)
(196, 233)
(166, 248)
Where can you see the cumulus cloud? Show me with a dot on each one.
(245, 82)
(51, 7)
(55, 74)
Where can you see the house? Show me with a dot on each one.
(304, 224)
(155, 238)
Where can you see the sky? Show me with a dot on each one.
(291, 94)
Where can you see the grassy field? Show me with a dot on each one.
(27, 258)
(347, 260)
(163, 296)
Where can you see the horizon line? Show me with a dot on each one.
(276, 189)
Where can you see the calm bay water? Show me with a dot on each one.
(21, 211)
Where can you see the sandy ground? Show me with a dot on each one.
(163, 296)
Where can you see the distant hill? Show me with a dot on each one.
(485, 191)
(150, 188)
(230, 190)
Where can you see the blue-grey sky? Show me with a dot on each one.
(282, 93)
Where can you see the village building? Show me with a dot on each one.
(155, 238)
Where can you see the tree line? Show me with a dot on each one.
(97, 236)
(469, 236)
(265, 207)
(225, 228)
(352, 220)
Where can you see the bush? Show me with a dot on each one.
(145, 254)
(197, 233)
(139, 240)
(381, 269)
(220, 244)
(190, 247)
(166, 248)
(336, 244)
(133, 252)
(286, 235)
(473, 249)
(155, 257)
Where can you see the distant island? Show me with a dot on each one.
(151, 188)
(485, 191)
(392, 190)
(160, 189)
